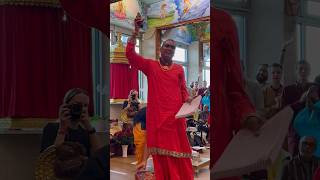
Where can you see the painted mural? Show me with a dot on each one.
(122, 13)
(189, 33)
(173, 11)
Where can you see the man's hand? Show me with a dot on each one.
(189, 99)
(137, 23)
(142, 166)
(253, 123)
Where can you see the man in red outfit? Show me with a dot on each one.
(231, 108)
(166, 136)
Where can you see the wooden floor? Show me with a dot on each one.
(122, 169)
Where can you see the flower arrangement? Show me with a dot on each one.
(125, 136)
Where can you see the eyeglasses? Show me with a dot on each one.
(169, 46)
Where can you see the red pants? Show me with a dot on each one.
(171, 168)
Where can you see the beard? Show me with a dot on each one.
(167, 60)
(261, 79)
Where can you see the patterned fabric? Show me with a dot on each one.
(145, 175)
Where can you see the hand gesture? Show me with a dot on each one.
(138, 21)
(64, 116)
(253, 123)
(142, 166)
(189, 99)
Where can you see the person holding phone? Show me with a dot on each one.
(73, 124)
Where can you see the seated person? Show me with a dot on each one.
(139, 133)
(204, 115)
(74, 123)
(68, 161)
(303, 165)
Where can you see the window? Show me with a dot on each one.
(124, 38)
(180, 55)
(110, 39)
(312, 49)
(308, 32)
(137, 48)
(313, 8)
(240, 23)
(206, 64)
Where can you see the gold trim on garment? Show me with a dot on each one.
(45, 3)
(117, 100)
(165, 152)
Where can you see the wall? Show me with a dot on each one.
(193, 59)
(265, 35)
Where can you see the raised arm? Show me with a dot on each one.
(136, 60)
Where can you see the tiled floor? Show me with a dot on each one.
(122, 169)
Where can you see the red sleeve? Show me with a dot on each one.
(241, 105)
(183, 86)
(136, 60)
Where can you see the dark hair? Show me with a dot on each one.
(73, 92)
(303, 62)
(274, 65)
(265, 65)
(70, 160)
(168, 40)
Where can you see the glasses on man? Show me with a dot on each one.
(169, 46)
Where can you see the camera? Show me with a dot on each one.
(75, 112)
(135, 105)
(133, 96)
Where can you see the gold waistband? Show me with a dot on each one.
(165, 152)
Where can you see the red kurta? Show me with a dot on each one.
(166, 93)
(231, 104)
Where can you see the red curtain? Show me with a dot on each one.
(122, 79)
(41, 58)
(93, 13)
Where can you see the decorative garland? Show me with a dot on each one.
(44, 3)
